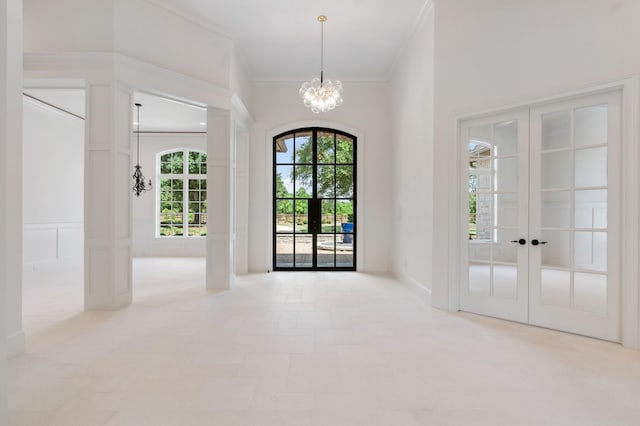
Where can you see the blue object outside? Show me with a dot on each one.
(347, 227)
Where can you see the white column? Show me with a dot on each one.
(219, 244)
(242, 203)
(11, 335)
(107, 252)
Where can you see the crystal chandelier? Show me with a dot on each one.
(318, 94)
(139, 185)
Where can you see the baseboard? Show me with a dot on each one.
(415, 286)
(16, 344)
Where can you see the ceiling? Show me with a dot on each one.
(279, 40)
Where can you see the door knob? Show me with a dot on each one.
(521, 241)
(536, 242)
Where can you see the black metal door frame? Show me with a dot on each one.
(314, 204)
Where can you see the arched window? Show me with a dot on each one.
(182, 204)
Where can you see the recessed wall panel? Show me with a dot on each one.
(99, 208)
(123, 195)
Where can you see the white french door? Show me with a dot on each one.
(541, 238)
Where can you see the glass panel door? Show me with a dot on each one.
(574, 188)
(541, 195)
(314, 200)
(495, 176)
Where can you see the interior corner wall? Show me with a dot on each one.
(145, 243)
(53, 185)
(366, 108)
(413, 96)
(497, 53)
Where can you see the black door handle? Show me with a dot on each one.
(536, 242)
(521, 241)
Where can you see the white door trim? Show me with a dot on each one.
(630, 251)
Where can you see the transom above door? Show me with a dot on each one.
(542, 238)
(314, 200)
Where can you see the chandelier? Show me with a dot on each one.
(318, 94)
(139, 185)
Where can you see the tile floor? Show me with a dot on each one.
(298, 349)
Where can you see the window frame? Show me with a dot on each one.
(185, 178)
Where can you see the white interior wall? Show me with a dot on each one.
(53, 184)
(145, 242)
(412, 88)
(365, 109)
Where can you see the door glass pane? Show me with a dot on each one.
(506, 174)
(555, 287)
(591, 167)
(301, 218)
(473, 185)
(344, 150)
(480, 278)
(328, 216)
(556, 252)
(591, 209)
(505, 274)
(326, 181)
(304, 181)
(591, 125)
(590, 292)
(344, 181)
(304, 251)
(505, 281)
(344, 256)
(556, 130)
(284, 216)
(556, 209)
(480, 134)
(345, 215)
(284, 181)
(326, 250)
(480, 250)
(284, 251)
(284, 150)
(480, 147)
(556, 170)
(505, 137)
(483, 216)
(591, 250)
(503, 249)
(326, 148)
(507, 210)
(304, 148)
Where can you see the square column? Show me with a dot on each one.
(107, 222)
(219, 200)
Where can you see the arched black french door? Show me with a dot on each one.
(314, 200)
